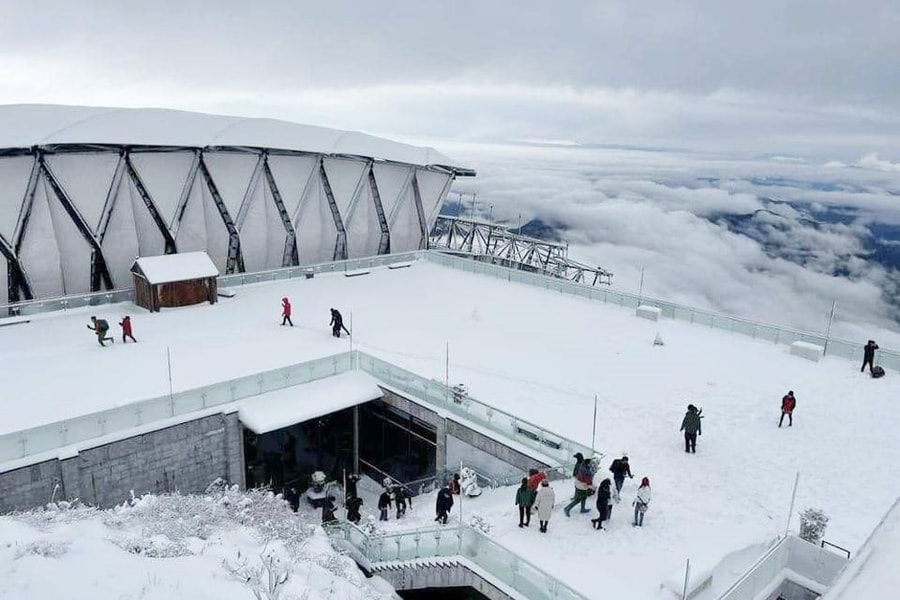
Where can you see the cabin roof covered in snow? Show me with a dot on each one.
(28, 125)
(183, 266)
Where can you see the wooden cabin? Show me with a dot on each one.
(174, 280)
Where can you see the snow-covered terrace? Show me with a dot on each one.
(543, 356)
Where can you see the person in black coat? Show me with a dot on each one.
(869, 356)
(604, 494)
(402, 497)
(337, 323)
(353, 505)
(621, 469)
(384, 504)
(443, 504)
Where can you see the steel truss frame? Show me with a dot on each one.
(497, 244)
(20, 288)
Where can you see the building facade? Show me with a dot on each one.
(85, 191)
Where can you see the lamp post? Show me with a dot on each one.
(491, 214)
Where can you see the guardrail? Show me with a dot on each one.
(498, 421)
(788, 555)
(755, 329)
(503, 565)
(44, 438)
(765, 331)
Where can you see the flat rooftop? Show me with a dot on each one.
(543, 356)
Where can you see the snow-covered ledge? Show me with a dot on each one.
(808, 351)
(648, 312)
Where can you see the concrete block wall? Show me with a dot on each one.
(184, 457)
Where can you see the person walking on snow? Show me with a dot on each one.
(286, 312)
(543, 504)
(641, 502)
(604, 497)
(787, 408)
(869, 356)
(584, 484)
(337, 323)
(620, 469)
(384, 505)
(100, 327)
(443, 504)
(524, 500)
(691, 427)
(126, 329)
(401, 499)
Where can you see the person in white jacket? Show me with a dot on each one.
(641, 502)
(543, 504)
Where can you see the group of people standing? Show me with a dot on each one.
(535, 493)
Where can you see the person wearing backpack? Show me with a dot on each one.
(691, 427)
(100, 327)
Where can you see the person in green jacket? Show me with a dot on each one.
(524, 500)
(690, 425)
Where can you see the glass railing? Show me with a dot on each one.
(31, 307)
(532, 436)
(503, 565)
(52, 436)
(808, 561)
(757, 330)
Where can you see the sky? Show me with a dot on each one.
(515, 348)
(635, 126)
(747, 77)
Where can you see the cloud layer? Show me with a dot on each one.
(772, 240)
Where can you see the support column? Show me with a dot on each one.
(356, 439)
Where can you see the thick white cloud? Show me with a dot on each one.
(631, 214)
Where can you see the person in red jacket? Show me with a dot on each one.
(126, 329)
(286, 312)
(787, 408)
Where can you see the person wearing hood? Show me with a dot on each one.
(691, 427)
(286, 312)
(543, 504)
(604, 497)
(869, 356)
(641, 502)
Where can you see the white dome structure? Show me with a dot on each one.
(85, 190)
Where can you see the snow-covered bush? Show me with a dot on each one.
(481, 524)
(48, 548)
(812, 525)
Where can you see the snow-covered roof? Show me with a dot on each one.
(177, 267)
(872, 574)
(299, 403)
(27, 125)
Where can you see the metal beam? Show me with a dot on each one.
(420, 211)
(185, 195)
(384, 245)
(340, 244)
(235, 260)
(290, 256)
(168, 237)
(99, 270)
